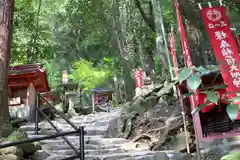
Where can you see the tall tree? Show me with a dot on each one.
(6, 17)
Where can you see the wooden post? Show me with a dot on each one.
(93, 102)
(31, 99)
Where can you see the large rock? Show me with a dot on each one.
(12, 150)
(17, 136)
(162, 156)
(24, 149)
(30, 148)
(40, 155)
(9, 157)
(178, 142)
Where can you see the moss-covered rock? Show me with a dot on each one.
(21, 150)
(30, 148)
(6, 129)
(17, 136)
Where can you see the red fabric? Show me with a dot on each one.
(138, 78)
(184, 42)
(186, 51)
(224, 47)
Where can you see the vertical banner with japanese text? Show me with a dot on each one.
(224, 47)
(184, 42)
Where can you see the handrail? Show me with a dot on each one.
(16, 143)
(58, 131)
(79, 154)
(56, 111)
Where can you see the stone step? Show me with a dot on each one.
(65, 146)
(86, 136)
(96, 146)
(31, 127)
(148, 155)
(117, 156)
(89, 131)
(70, 152)
(88, 140)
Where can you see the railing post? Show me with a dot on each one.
(81, 143)
(93, 102)
(36, 113)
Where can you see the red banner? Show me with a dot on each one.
(186, 52)
(224, 47)
(173, 52)
(138, 78)
(184, 42)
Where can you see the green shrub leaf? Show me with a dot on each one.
(232, 110)
(184, 74)
(213, 96)
(202, 70)
(194, 82)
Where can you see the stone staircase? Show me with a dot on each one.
(97, 145)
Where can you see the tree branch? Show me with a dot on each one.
(148, 20)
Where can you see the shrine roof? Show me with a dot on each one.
(25, 68)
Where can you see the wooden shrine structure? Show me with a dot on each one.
(101, 98)
(24, 81)
(212, 121)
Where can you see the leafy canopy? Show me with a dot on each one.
(84, 72)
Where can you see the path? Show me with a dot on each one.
(97, 146)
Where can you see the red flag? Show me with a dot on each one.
(138, 78)
(186, 53)
(184, 42)
(224, 47)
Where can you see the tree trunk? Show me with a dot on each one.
(6, 17)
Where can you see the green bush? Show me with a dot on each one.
(85, 73)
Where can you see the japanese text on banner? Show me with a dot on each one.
(224, 45)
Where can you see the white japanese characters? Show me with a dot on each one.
(228, 55)
(187, 55)
(215, 25)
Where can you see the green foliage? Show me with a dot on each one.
(16, 136)
(5, 130)
(53, 73)
(232, 156)
(232, 110)
(194, 82)
(89, 76)
(184, 74)
(213, 96)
